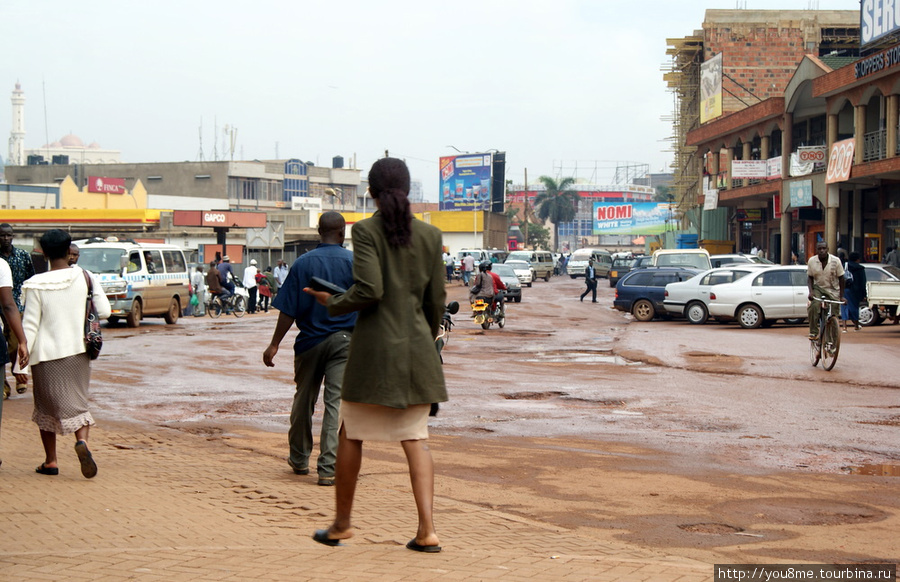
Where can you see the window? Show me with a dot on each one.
(640, 278)
(776, 279)
(174, 262)
(663, 279)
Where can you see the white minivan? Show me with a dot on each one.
(578, 261)
(140, 279)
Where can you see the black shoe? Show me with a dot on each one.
(595, 302)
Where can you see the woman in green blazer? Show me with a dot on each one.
(393, 371)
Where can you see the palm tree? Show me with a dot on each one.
(557, 203)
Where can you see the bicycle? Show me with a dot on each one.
(827, 343)
(236, 304)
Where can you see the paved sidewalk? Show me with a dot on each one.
(171, 506)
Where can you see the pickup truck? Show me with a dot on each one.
(884, 297)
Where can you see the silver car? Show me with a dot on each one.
(690, 298)
(511, 280)
(761, 298)
(523, 271)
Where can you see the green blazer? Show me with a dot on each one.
(399, 294)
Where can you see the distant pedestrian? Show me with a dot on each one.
(280, 274)
(22, 268)
(893, 257)
(320, 349)
(854, 290)
(467, 265)
(265, 281)
(448, 265)
(198, 283)
(249, 281)
(74, 253)
(590, 280)
(61, 368)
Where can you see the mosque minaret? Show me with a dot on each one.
(17, 135)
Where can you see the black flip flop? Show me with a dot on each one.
(321, 536)
(88, 466)
(47, 470)
(412, 545)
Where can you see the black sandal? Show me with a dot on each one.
(44, 470)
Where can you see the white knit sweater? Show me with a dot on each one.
(54, 313)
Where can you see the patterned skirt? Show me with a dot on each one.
(61, 394)
(371, 422)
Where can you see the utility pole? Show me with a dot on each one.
(525, 208)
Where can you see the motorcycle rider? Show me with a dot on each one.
(483, 286)
(499, 288)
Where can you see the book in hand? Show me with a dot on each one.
(319, 284)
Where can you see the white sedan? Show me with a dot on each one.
(523, 270)
(690, 298)
(761, 298)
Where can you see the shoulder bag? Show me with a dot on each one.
(93, 340)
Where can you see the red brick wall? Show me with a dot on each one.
(761, 58)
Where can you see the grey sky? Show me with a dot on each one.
(554, 83)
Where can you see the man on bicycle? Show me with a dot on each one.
(825, 278)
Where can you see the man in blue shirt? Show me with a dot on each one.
(320, 350)
(224, 271)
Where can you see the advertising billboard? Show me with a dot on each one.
(100, 185)
(877, 19)
(711, 89)
(635, 218)
(466, 182)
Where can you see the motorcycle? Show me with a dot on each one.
(443, 337)
(485, 314)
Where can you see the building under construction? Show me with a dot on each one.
(760, 53)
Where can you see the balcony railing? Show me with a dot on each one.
(875, 145)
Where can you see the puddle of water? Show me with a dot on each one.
(876, 470)
(587, 359)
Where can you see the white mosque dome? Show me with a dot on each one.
(71, 141)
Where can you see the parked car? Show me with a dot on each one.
(523, 271)
(641, 292)
(761, 298)
(642, 262)
(875, 272)
(690, 298)
(737, 258)
(511, 280)
(619, 269)
(697, 258)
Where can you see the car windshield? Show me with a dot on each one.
(504, 270)
(520, 256)
(892, 270)
(100, 260)
(621, 262)
(517, 264)
(697, 260)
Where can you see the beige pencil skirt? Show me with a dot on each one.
(372, 422)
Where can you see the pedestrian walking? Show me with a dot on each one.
(54, 325)
(854, 291)
(14, 321)
(22, 268)
(249, 281)
(320, 349)
(399, 293)
(467, 265)
(280, 274)
(590, 280)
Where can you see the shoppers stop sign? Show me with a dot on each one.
(840, 161)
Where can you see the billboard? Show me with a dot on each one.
(636, 218)
(711, 89)
(100, 185)
(466, 182)
(877, 19)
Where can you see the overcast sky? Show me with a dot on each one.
(557, 84)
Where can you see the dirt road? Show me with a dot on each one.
(710, 442)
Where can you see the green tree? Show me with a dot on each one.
(557, 203)
(538, 236)
(664, 194)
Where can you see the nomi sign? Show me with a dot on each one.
(631, 217)
(100, 185)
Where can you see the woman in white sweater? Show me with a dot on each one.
(54, 326)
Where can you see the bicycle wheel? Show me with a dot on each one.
(831, 343)
(215, 307)
(815, 351)
(239, 306)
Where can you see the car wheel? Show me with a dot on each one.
(134, 318)
(869, 317)
(547, 276)
(696, 312)
(173, 312)
(518, 299)
(528, 284)
(750, 317)
(643, 310)
(574, 276)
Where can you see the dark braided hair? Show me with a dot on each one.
(389, 184)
